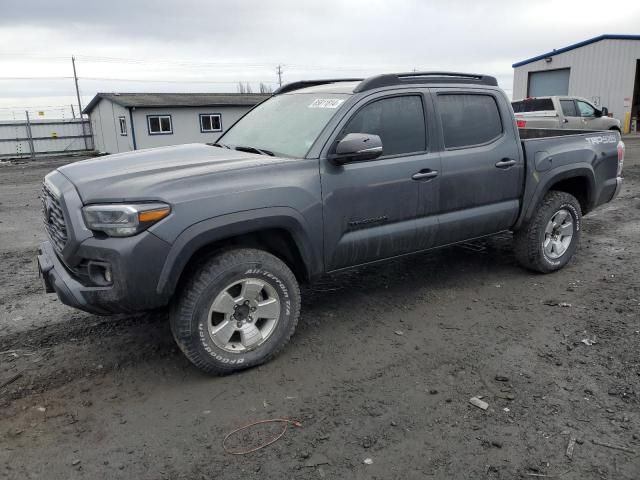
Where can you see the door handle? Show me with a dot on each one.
(506, 163)
(425, 174)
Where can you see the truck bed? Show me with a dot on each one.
(560, 153)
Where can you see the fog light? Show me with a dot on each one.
(100, 273)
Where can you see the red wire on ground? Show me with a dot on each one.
(286, 422)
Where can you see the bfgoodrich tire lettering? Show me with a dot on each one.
(529, 241)
(190, 316)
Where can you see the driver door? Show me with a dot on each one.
(587, 112)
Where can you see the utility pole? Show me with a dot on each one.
(75, 78)
(32, 150)
(279, 72)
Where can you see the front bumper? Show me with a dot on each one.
(56, 279)
(135, 262)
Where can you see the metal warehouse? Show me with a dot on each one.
(131, 121)
(604, 69)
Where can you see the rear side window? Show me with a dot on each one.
(532, 105)
(468, 120)
(568, 108)
(398, 121)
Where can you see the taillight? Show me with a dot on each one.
(620, 157)
(521, 123)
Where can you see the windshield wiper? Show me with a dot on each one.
(218, 144)
(253, 150)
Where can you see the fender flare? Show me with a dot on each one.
(554, 176)
(230, 225)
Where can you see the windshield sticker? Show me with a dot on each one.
(326, 103)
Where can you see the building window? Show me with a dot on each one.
(210, 122)
(159, 124)
(123, 125)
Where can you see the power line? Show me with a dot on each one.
(35, 78)
(42, 107)
(172, 62)
(33, 55)
(143, 80)
(233, 82)
(134, 61)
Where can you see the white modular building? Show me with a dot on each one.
(122, 122)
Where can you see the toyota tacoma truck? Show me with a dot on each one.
(572, 113)
(323, 176)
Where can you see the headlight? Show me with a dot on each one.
(118, 220)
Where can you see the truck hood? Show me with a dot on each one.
(146, 174)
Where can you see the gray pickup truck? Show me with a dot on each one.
(572, 113)
(323, 176)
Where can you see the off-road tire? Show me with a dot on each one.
(528, 240)
(189, 314)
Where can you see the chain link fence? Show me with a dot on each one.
(38, 138)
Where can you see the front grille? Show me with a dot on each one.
(53, 218)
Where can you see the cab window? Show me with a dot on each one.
(398, 121)
(585, 109)
(469, 119)
(568, 108)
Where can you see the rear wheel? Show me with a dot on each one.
(238, 310)
(547, 242)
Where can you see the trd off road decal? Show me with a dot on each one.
(602, 139)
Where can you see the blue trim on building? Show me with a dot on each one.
(577, 45)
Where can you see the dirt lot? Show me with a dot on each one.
(382, 367)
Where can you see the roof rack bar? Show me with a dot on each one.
(290, 87)
(392, 79)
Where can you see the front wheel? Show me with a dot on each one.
(238, 310)
(547, 242)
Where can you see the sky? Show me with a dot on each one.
(209, 46)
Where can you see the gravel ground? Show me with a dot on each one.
(382, 367)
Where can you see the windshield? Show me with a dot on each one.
(286, 125)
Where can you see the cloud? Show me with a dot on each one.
(247, 39)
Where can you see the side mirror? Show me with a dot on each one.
(357, 147)
(604, 112)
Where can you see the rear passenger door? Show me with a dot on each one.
(572, 120)
(482, 168)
